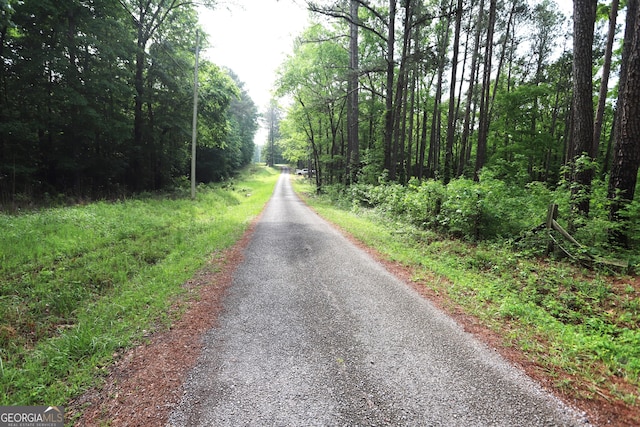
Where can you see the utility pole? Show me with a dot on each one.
(194, 131)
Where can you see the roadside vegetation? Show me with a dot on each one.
(80, 284)
(469, 243)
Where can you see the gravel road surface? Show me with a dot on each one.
(314, 332)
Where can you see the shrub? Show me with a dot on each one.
(423, 202)
(489, 209)
(461, 208)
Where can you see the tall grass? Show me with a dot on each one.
(79, 283)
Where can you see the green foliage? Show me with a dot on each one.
(78, 284)
(461, 209)
(372, 162)
(315, 80)
(68, 93)
(493, 210)
(227, 125)
(424, 203)
(474, 210)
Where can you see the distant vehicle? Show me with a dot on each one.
(304, 171)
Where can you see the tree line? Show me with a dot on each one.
(96, 99)
(395, 91)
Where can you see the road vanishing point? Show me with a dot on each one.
(315, 332)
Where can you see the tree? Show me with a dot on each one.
(606, 70)
(353, 140)
(227, 125)
(442, 35)
(243, 115)
(483, 130)
(390, 79)
(584, 16)
(68, 85)
(400, 98)
(523, 142)
(273, 121)
(219, 152)
(626, 159)
(316, 77)
(64, 64)
(448, 159)
(473, 78)
(148, 17)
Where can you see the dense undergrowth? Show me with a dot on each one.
(468, 242)
(492, 210)
(78, 284)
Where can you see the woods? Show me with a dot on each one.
(458, 89)
(95, 100)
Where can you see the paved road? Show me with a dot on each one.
(316, 333)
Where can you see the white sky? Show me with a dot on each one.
(253, 37)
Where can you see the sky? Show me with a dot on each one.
(253, 37)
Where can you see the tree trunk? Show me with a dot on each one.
(448, 157)
(138, 118)
(483, 131)
(388, 115)
(503, 53)
(399, 105)
(434, 143)
(606, 162)
(626, 160)
(606, 69)
(459, 97)
(433, 160)
(412, 104)
(353, 149)
(466, 130)
(584, 15)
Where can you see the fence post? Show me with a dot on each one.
(552, 214)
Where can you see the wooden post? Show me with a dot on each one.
(552, 214)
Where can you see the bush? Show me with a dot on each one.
(461, 208)
(423, 202)
(488, 209)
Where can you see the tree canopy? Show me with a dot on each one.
(96, 99)
(448, 89)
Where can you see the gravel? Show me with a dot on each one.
(314, 332)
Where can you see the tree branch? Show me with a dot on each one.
(337, 13)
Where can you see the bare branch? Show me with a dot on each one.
(323, 39)
(337, 13)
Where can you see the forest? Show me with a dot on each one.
(96, 100)
(470, 116)
(458, 115)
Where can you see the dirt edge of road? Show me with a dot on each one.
(600, 410)
(145, 383)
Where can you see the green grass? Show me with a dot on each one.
(581, 326)
(78, 284)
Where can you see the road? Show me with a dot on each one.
(314, 332)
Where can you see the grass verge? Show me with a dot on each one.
(579, 327)
(80, 284)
